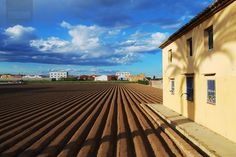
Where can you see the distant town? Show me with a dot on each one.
(65, 76)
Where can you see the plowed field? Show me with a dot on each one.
(80, 120)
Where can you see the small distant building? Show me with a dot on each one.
(32, 76)
(6, 76)
(58, 75)
(17, 76)
(87, 77)
(156, 83)
(136, 77)
(101, 78)
(123, 75)
(11, 77)
(112, 77)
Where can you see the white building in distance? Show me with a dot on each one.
(123, 75)
(32, 76)
(101, 78)
(58, 75)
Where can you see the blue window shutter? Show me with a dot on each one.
(189, 89)
(213, 85)
(211, 96)
(172, 86)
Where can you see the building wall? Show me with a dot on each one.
(218, 64)
(9, 76)
(101, 78)
(122, 75)
(156, 83)
(136, 77)
(58, 75)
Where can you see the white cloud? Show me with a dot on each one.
(85, 41)
(92, 42)
(128, 42)
(52, 44)
(19, 35)
(88, 42)
(142, 42)
(84, 37)
(18, 32)
(157, 38)
(65, 24)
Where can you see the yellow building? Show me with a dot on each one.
(136, 77)
(7, 76)
(199, 69)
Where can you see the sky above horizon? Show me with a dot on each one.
(89, 37)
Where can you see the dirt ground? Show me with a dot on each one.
(80, 120)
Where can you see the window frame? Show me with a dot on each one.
(170, 56)
(211, 91)
(190, 46)
(190, 89)
(172, 86)
(209, 34)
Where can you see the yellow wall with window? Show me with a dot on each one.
(218, 64)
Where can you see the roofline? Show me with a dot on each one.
(215, 7)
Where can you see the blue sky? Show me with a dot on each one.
(89, 37)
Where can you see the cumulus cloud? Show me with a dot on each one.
(157, 38)
(88, 42)
(85, 41)
(104, 35)
(85, 37)
(18, 31)
(142, 42)
(19, 34)
(87, 45)
(52, 44)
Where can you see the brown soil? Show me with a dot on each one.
(80, 120)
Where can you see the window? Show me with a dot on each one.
(189, 85)
(172, 86)
(170, 55)
(211, 92)
(209, 34)
(190, 46)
